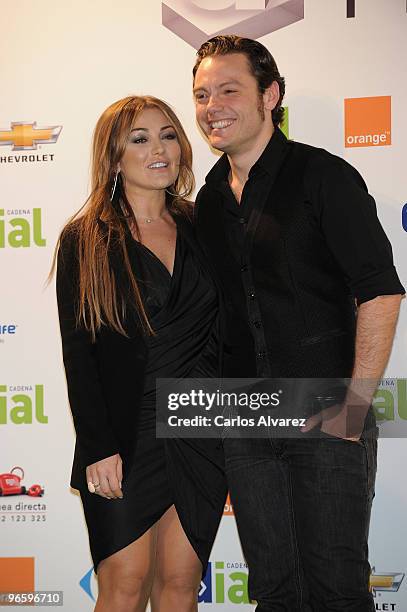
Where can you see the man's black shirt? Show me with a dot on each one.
(303, 244)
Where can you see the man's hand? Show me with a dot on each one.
(340, 421)
(106, 477)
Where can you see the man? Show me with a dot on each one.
(310, 291)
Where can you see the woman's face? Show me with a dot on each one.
(152, 156)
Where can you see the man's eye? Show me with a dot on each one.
(200, 96)
(230, 91)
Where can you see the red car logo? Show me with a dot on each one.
(10, 484)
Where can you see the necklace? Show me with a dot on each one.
(148, 219)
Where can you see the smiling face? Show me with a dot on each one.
(152, 156)
(229, 107)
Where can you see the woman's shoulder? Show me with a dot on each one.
(77, 228)
(68, 242)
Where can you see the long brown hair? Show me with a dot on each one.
(100, 302)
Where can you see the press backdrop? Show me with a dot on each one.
(62, 63)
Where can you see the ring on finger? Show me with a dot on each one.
(92, 487)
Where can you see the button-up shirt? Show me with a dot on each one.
(236, 217)
(293, 256)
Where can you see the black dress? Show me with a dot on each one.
(182, 309)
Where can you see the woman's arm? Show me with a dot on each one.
(94, 432)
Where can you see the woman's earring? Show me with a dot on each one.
(114, 185)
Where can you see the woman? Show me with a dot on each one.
(135, 304)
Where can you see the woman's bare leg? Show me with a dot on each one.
(178, 570)
(125, 578)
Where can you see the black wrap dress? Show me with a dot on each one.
(182, 309)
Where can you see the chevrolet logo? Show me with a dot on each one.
(388, 581)
(26, 136)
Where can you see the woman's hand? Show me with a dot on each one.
(105, 477)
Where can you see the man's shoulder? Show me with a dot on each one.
(319, 161)
(314, 156)
(207, 192)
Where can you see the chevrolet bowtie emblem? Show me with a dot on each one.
(386, 581)
(27, 136)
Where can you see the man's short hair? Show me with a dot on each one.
(261, 63)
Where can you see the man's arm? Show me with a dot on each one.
(348, 220)
(375, 328)
(376, 325)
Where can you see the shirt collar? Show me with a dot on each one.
(270, 156)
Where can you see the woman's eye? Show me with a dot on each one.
(139, 140)
(170, 136)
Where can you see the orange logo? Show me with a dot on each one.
(228, 511)
(368, 121)
(27, 136)
(16, 574)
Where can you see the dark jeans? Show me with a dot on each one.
(302, 509)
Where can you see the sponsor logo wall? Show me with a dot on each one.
(346, 92)
(198, 20)
(404, 217)
(21, 228)
(27, 137)
(21, 503)
(368, 121)
(22, 405)
(17, 574)
(7, 330)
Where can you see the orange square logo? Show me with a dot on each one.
(228, 511)
(368, 122)
(16, 574)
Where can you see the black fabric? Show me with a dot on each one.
(115, 378)
(302, 508)
(106, 378)
(292, 258)
(182, 310)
